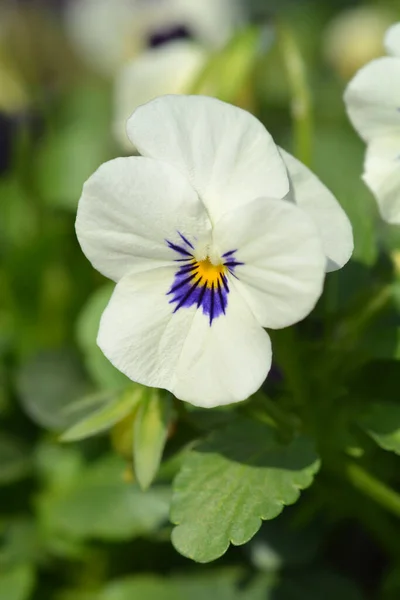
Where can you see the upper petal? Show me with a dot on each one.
(373, 99)
(283, 268)
(227, 154)
(166, 69)
(334, 227)
(392, 40)
(128, 209)
(179, 351)
(382, 175)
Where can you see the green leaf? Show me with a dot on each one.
(48, 383)
(232, 481)
(106, 416)
(150, 434)
(381, 422)
(225, 584)
(101, 504)
(100, 369)
(74, 148)
(15, 459)
(17, 583)
(226, 74)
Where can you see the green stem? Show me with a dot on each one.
(373, 488)
(301, 104)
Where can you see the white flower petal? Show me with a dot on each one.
(392, 40)
(226, 153)
(373, 99)
(129, 207)
(168, 69)
(211, 21)
(284, 263)
(334, 227)
(382, 175)
(98, 30)
(202, 364)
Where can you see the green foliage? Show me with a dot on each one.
(97, 502)
(14, 459)
(382, 422)
(150, 434)
(115, 409)
(17, 584)
(229, 483)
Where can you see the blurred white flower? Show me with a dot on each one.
(373, 104)
(107, 33)
(169, 69)
(354, 37)
(208, 238)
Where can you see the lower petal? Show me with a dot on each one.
(205, 365)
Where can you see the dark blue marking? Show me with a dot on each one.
(186, 241)
(168, 34)
(190, 289)
(179, 249)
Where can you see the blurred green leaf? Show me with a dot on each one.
(17, 583)
(231, 482)
(227, 73)
(48, 383)
(338, 160)
(20, 542)
(101, 370)
(100, 504)
(15, 460)
(223, 585)
(150, 434)
(76, 145)
(105, 417)
(381, 421)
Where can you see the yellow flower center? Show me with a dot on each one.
(209, 274)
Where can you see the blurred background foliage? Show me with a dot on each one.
(81, 517)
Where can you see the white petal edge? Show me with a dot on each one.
(392, 40)
(373, 99)
(128, 209)
(205, 365)
(310, 194)
(382, 175)
(169, 69)
(227, 154)
(284, 264)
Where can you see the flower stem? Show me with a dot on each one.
(372, 487)
(301, 102)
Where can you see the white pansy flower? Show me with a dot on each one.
(107, 33)
(211, 235)
(373, 103)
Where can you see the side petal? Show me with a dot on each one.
(128, 209)
(382, 175)
(334, 227)
(392, 40)
(167, 69)
(373, 99)
(227, 154)
(283, 264)
(179, 351)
